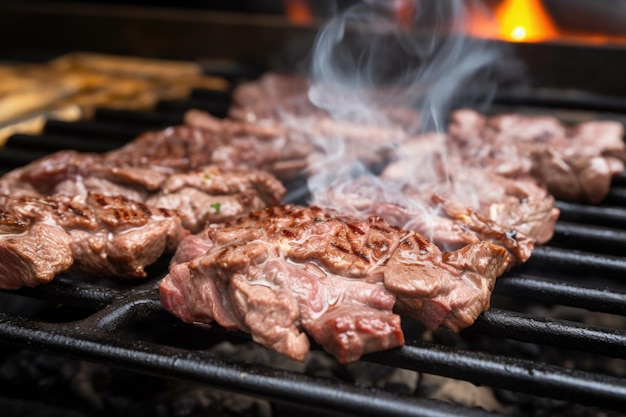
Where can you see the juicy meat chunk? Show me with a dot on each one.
(31, 254)
(214, 195)
(41, 237)
(287, 97)
(206, 194)
(575, 162)
(506, 216)
(286, 270)
(174, 149)
(267, 145)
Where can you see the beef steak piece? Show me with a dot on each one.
(209, 193)
(575, 162)
(41, 237)
(286, 270)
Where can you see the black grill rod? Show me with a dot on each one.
(71, 291)
(96, 129)
(13, 158)
(144, 118)
(597, 239)
(619, 179)
(222, 97)
(616, 196)
(561, 333)
(546, 258)
(518, 375)
(587, 101)
(223, 373)
(181, 106)
(562, 293)
(54, 143)
(599, 215)
(143, 301)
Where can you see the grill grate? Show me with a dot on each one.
(558, 274)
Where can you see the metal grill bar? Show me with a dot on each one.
(593, 102)
(603, 216)
(150, 119)
(209, 369)
(222, 97)
(93, 128)
(56, 142)
(572, 261)
(594, 238)
(562, 293)
(619, 180)
(65, 290)
(15, 157)
(508, 373)
(617, 196)
(561, 333)
(216, 109)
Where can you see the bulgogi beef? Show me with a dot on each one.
(41, 237)
(294, 146)
(430, 190)
(266, 145)
(368, 126)
(288, 269)
(201, 195)
(212, 195)
(291, 98)
(575, 162)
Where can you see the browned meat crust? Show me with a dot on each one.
(41, 237)
(288, 269)
(201, 195)
(575, 162)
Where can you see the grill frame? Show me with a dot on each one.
(100, 337)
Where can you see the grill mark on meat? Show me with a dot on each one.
(196, 199)
(351, 251)
(11, 224)
(97, 235)
(332, 276)
(566, 159)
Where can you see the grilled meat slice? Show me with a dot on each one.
(493, 211)
(266, 145)
(31, 252)
(201, 195)
(575, 163)
(215, 196)
(288, 269)
(94, 234)
(174, 149)
(287, 98)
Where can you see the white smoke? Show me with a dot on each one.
(366, 64)
(422, 65)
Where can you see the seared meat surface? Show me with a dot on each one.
(576, 163)
(288, 269)
(41, 237)
(201, 195)
(211, 195)
(289, 98)
(266, 145)
(430, 190)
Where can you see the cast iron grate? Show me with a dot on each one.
(557, 274)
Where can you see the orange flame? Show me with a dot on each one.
(525, 21)
(298, 11)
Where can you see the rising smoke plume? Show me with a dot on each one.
(367, 66)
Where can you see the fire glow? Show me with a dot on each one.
(527, 21)
(524, 21)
